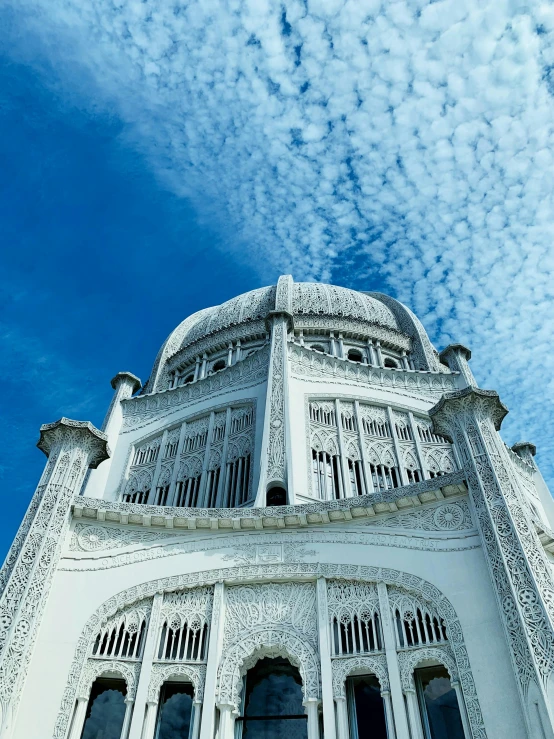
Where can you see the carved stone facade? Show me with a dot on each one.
(303, 477)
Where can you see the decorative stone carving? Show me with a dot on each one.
(161, 673)
(74, 446)
(454, 516)
(144, 409)
(276, 462)
(274, 573)
(520, 573)
(290, 605)
(316, 366)
(269, 553)
(94, 668)
(375, 664)
(409, 659)
(267, 642)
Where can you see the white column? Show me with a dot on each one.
(378, 352)
(341, 347)
(400, 718)
(413, 712)
(391, 731)
(419, 448)
(129, 702)
(197, 369)
(230, 354)
(207, 723)
(176, 464)
(311, 705)
(365, 463)
(462, 706)
(150, 645)
(196, 713)
(155, 478)
(203, 479)
(371, 350)
(325, 657)
(150, 721)
(343, 730)
(78, 718)
(220, 500)
(226, 721)
(397, 448)
(203, 366)
(344, 462)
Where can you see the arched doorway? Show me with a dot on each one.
(272, 705)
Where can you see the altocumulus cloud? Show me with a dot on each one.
(413, 138)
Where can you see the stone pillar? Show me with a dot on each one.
(196, 713)
(71, 447)
(526, 451)
(141, 697)
(226, 721)
(363, 451)
(343, 730)
(129, 702)
(397, 447)
(399, 709)
(346, 484)
(457, 356)
(312, 705)
(329, 729)
(520, 572)
(78, 718)
(414, 715)
(379, 354)
(125, 384)
(207, 724)
(150, 720)
(418, 446)
(275, 469)
(391, 731)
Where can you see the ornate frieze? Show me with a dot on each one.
(321, 367)
(447, 517)
(143, 409)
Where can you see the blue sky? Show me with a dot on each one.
(161, 156)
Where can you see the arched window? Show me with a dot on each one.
(105, 710)
(366, 707)
(384, 477)
(318, 348)
(272, 702)
(237, 482)
(438, 703)
(182, 641)
(356, 476)
(186, 492)
(276, 495)
(355, 355)
(188, 379)
(391, 363)
(219, 365)
(175, 710)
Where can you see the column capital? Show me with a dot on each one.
(76, 433)
(455, 350)
(283, 294)
(459, 402)
(524, 449)
(127, 378)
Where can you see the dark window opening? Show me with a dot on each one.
(318, 348)
(366, 708)
(219, 365)
(354, 355)
(438, 704)
(272, 704)
(188, 379)
(105, 710)
(276, 495)
(391, 363)
(175, 711)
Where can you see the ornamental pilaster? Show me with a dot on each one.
(519, 569)
(275, 471)
(71, 447)
(456, 357)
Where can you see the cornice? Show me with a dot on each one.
(278, 517)
(75, 432)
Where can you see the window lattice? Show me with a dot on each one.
(354, 616)
(416, 623)
(184, 627)
(123, 636)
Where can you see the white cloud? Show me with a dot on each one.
(418, 135)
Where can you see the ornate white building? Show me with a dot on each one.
(306, 524)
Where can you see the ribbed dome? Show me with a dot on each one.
(303, 300)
